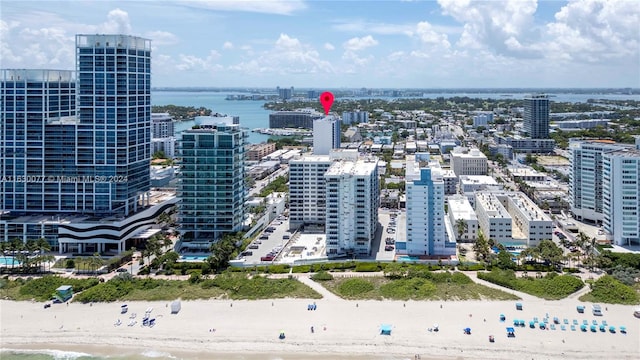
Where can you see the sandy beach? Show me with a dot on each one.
(342, 329)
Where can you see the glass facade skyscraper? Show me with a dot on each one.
(536, 116)
(114, 121)
(211, 184)
(37, 140)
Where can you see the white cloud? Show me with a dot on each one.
(117, 23)
(428, 35)
(159, 38)
(357, 44)
(280, 7)
(288, 55)
(227, 45)
(191, 62)
(329, 47)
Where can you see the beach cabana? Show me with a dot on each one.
(593, 328)
(623, 330)
(124, 308)
(580, 309)
(502, 317)
(511, 332)
(63, 293)
(583, 327)
(467, 331)
(543, 326)
(175, 307)
(518, 306)
(612, 329)
(385, 329)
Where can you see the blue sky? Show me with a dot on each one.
(332, 44)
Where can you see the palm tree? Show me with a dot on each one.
(461, 227)
(15, 245)
(95, 261)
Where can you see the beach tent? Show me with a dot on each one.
(175, 307)
(467, 331)
(518, 306)
(580, 309)
(385, 329)
(124, 308)
(511, 332)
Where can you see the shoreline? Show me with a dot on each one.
(343, 329)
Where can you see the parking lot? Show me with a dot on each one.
(392, 226)
(270, 240)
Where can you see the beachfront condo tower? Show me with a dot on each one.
(426, 233)
(211, 184)
(536, 116)
(38, 139)
(353, 199)
(621, 195)
(307, 191)
(75, 149)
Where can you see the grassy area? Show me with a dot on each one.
(611, 291)
(550, 287)
(454, 286)
(40, 289)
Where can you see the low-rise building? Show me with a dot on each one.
(256, 152)
(461, 209)
(468, 161)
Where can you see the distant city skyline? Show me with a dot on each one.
(334, 44)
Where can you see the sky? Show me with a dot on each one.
(345, 44)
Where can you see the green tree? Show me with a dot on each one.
(461, 227)
(504, 260)
(481, 247)
(550, 253)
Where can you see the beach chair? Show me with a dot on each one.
(594, 322)
(604, 322)
(563, 328)
(573, 328)
(556, 320)
(552, 326)
(585, 322)
(565, 321)
(535, 319)
(575, 322)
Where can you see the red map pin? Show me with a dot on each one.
(326, 99)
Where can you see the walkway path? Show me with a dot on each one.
(326, 294)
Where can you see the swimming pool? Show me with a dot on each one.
(8, 260)
(408, 258)
(194, 257)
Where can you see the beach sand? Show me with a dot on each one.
(342, 329)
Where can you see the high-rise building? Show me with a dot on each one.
(353, 199)
(536, 116)
(326, 135)
(293, 119)
(285, 93)
(350, 117)
(114, 121)
(621, 195)
(75, 149)
(162, 125)
(212, 184)
(307, 195)
(426, 233)
(585, 178)
(37, 141)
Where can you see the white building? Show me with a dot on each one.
(511, 217)
(585, 178)
(468, 162)
(307, 190)
(353, 199)
(469, 184)
(350, 117)
(167, 145)
(162, 125)
(460, 208)
(621, 195)
(326, 135)
(425, 226)
(493, 218)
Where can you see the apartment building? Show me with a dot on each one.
(493, 218)
(621, 195)
(352, 202)
(307, 190)
(468, 162)
(256, 152)
(460, 209)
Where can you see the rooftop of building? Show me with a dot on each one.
(477, 180)
(492, 205)
(460, 207)
(630, 152)
(527, 207)
(361, 167)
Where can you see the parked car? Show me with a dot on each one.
(246, 253)
(253, 246)
(388, 248)
(267, 258)
(264, 237)
(390, 241)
